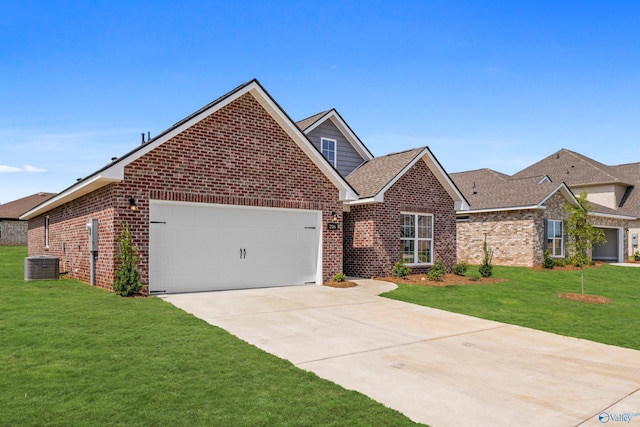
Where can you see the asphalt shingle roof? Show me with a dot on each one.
(305, 123)
(488, 189)
(13, 210)
(370, 178)
(574, 169)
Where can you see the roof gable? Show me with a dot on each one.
(114, 172)
(309, 124)
(376, 176)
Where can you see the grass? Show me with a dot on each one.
(529, 299)
(76, 355)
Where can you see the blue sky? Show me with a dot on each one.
(497, 84)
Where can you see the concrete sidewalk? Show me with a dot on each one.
(625, 264)
(436, 367)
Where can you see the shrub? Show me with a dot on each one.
(486, 269)
(578, 260)
(340, 277)
(559, 262)
(474, 277)
(127, 278)
(401, 269)
(460, 269)
(547, 262)
(636, 256)
(438, 271)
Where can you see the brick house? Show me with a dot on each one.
(613, 192)
(236, 195)
(13, 231)
(520, 216)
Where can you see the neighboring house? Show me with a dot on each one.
(522, 215)
(613, 192)
(519, 217)
(631, 205)
(13, 231)
(235, 195)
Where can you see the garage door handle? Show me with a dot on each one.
(243, 253)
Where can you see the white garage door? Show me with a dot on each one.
(202, 247)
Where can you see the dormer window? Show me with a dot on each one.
(329, 150)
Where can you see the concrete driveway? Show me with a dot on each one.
(436, 367)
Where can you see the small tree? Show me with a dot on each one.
(127, 280)
(582, 234)
(486, 269)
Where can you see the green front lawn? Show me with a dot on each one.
(76, 355)
(529, 299)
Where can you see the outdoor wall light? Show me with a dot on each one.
(132, 204)
(334, 216)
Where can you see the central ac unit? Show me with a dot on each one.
(41, 268)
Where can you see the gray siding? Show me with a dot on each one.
(347, 158)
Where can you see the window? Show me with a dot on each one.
(554, 238)
(46, 231)
(329, 150)
(0, 229)
(416, 238)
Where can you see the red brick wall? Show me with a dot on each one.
(238, 155)
(372, 232)
(68, 237)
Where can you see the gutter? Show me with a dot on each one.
(514, 208)
(614, 216)
(80, 189)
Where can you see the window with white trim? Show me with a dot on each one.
(555, 242)
(328, 147)
(46, 231)
(416, 238)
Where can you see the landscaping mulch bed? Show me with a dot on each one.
(447, 280)
(345, 284)
(589, 299)
(568, 267)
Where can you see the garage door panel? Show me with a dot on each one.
(197, 247)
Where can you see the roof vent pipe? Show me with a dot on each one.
(148, 136)
(142, 134)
